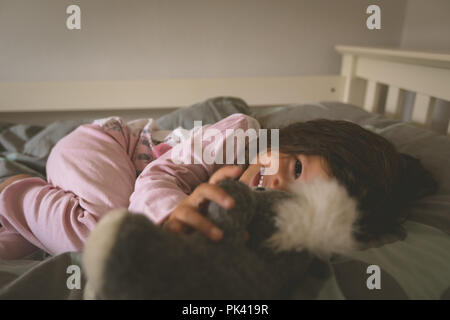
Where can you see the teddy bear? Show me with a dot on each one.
(128, 257)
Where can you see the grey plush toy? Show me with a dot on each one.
(128, 257)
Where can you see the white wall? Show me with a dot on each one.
(148, 39)
(427, 25)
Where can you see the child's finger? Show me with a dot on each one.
(224, 173)
(174, 226)
(197, 221)
(211, 192)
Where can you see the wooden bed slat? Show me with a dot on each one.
(372, 97)
(423, 109)
(348, 70)
(394, 101)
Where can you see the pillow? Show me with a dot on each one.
(294, 113)
(412, 266)
(209, 112)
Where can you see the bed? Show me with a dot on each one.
(402, 95)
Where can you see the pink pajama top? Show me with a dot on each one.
(98, 167)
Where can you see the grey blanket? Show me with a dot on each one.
(25, 148)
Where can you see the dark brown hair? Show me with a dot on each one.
(382, 180)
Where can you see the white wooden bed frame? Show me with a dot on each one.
(376, 79)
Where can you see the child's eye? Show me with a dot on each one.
(298, 169)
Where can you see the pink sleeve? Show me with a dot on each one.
(164, 184)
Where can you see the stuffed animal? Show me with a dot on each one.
(128, 257)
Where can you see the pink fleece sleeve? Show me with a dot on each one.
(164, 184)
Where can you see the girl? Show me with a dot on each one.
(110, 164)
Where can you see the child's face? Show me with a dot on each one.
(290, 169)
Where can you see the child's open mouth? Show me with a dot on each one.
(258, 180)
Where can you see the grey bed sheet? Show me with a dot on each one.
(26, 148)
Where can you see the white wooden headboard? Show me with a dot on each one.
(381, 80)
(377, 79)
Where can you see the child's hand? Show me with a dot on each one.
(187, 215)
(12, 179)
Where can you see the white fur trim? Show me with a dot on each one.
(319, 218)
(97, 249)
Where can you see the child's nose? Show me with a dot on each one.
(278, 182)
